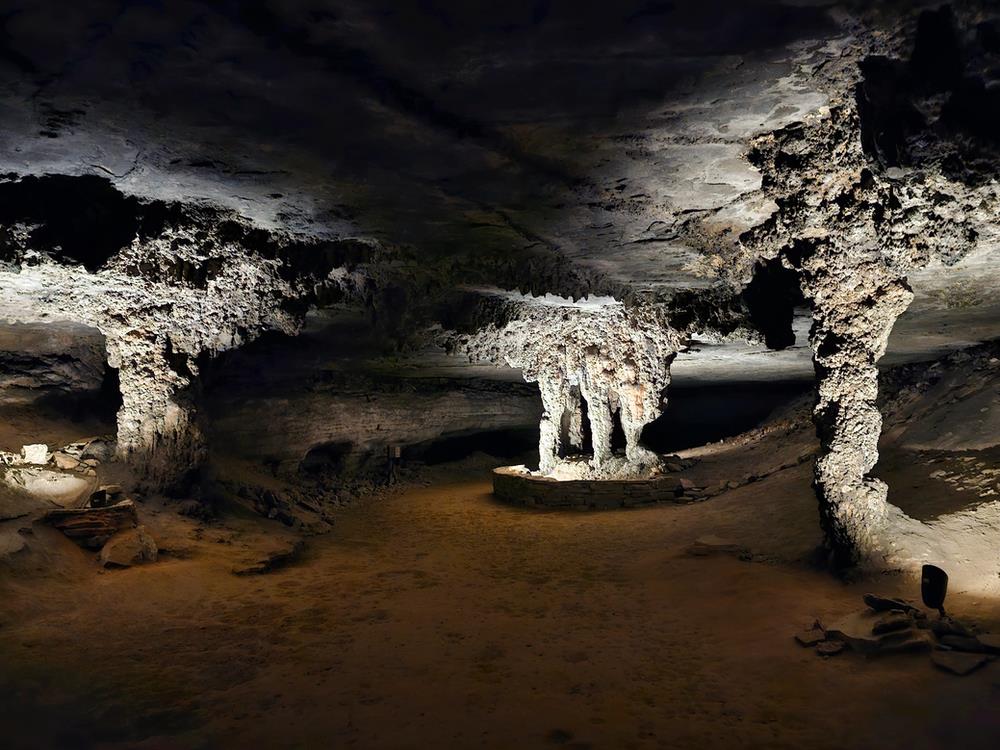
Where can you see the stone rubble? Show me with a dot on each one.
(893, 626)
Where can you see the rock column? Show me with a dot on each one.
(157, 433)
(555, 396)
(854, 308)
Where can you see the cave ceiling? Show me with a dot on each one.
(553, 147)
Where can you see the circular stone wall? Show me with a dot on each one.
(516, 485)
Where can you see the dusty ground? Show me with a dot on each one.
(438, 617)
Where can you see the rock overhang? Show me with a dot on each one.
(497, 145)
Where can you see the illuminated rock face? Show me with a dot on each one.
(614, 358)
(197, 285)
(852, 230)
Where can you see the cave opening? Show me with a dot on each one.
(327, 459)
(506, 444)
(697, 415)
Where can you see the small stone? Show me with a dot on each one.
(672, 467)
(127, 548)
(810, 637)
(93, 463)
(829, 648)
(957, 662)
(686, 485)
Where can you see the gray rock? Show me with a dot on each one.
(65, 461)
(127, 548)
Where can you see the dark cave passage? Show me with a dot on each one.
(699, 415)
(515, 443)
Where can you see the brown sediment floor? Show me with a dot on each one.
(437, 617)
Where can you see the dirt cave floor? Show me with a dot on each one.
(438, 617)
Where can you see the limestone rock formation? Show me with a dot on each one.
(615, 358)
(174, 286)
(851, 226)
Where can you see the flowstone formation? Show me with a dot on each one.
(166, 285)
(612, 358)
(851, 222)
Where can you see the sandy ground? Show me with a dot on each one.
(438, 617)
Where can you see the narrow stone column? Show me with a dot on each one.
(157, 433)
(601, 425)
(636, 413)
(553, 391)
(854, 309)
(574, 414)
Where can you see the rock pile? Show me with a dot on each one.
(892, 626)
(107, 522)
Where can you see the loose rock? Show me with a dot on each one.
(127, 548)
(957, 662)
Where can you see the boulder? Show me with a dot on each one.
(92, 527)
(957, 662)
(36, 453)
(98, 449)
(106, 495)
(127, 548)
(65, 461)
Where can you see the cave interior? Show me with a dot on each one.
(434, 373)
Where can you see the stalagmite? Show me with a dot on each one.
(850, 332)
(157, 431)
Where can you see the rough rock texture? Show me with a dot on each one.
(128, 548)
(851, 225)
(176, 284)
(92, 527)
(615, 358)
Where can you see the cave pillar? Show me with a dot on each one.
(574, 416)
(157, 433)
(854, 310)
(601, 424)
(638, 408)
(554, 398)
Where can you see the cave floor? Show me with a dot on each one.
(438, 617)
